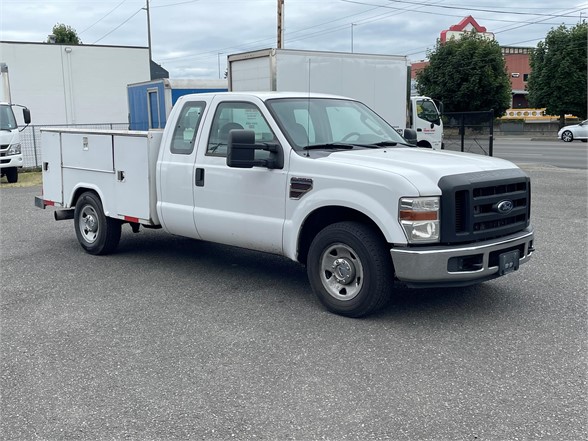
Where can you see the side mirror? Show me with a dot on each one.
(26, 115)
(439, 105)
(241, 150)
(411, 136)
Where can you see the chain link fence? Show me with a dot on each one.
(471, 132)
(463, 132)
(30, 140)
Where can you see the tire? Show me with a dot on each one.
(350, 269)
(567, 136)
(96, 233)
(11, 174)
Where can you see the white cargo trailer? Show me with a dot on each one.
(380, 81)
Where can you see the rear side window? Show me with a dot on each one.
(187, 127)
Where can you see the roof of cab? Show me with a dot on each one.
(270, 95)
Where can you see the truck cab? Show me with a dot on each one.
(425, 119)
(11, 158)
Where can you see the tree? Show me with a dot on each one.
(467, 74)
(65, 34)
(558, 72)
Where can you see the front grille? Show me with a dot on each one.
(471, 205)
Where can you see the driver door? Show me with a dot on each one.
(238, 206)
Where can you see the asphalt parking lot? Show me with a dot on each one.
(177, 339)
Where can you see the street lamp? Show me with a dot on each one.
(218, 56)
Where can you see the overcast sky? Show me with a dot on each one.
(192, 38)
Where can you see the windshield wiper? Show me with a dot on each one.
(376, 145)
(330, 145)
(392, 144)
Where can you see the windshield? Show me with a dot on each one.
(7, 121)
(309, 122)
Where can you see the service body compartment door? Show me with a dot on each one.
(134, 161)
(51, 167)
(87, 151)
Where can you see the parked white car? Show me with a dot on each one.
(576, 131)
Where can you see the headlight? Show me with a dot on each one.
(419, 218)
(14, 149)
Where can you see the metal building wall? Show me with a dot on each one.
(70, 84)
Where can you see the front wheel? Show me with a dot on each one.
(350, 269)
(567, 136)
(11, 175)
(96, 233)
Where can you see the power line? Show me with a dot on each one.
(469, 8)
(107, 14)
(441, 14)
(175, 4)
(120, 25)
(537, 22)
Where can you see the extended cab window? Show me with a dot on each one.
(186, 128)
(236, 115)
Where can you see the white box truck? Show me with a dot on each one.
(379, 81)
(11, 158)
(342, 194)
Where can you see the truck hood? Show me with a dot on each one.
(421, 167)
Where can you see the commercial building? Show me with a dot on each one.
(74, 84)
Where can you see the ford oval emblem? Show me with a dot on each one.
(504, 207)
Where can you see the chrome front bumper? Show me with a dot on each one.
(459, 265)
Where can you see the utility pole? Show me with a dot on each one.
(280, 24)
(148, 30)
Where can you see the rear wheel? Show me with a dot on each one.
(567, 136)
(11, 174)
(350, 269)
(96, 233)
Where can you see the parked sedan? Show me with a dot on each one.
(576, 131)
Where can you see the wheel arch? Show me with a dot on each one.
(324, 216)
(81, 189)
(425, 144)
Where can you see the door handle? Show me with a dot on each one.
(419, 130)
(199, 177)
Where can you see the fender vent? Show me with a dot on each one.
(299, 187)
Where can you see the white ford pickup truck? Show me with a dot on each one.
(319, 179)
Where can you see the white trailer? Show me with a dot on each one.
(380, 81)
